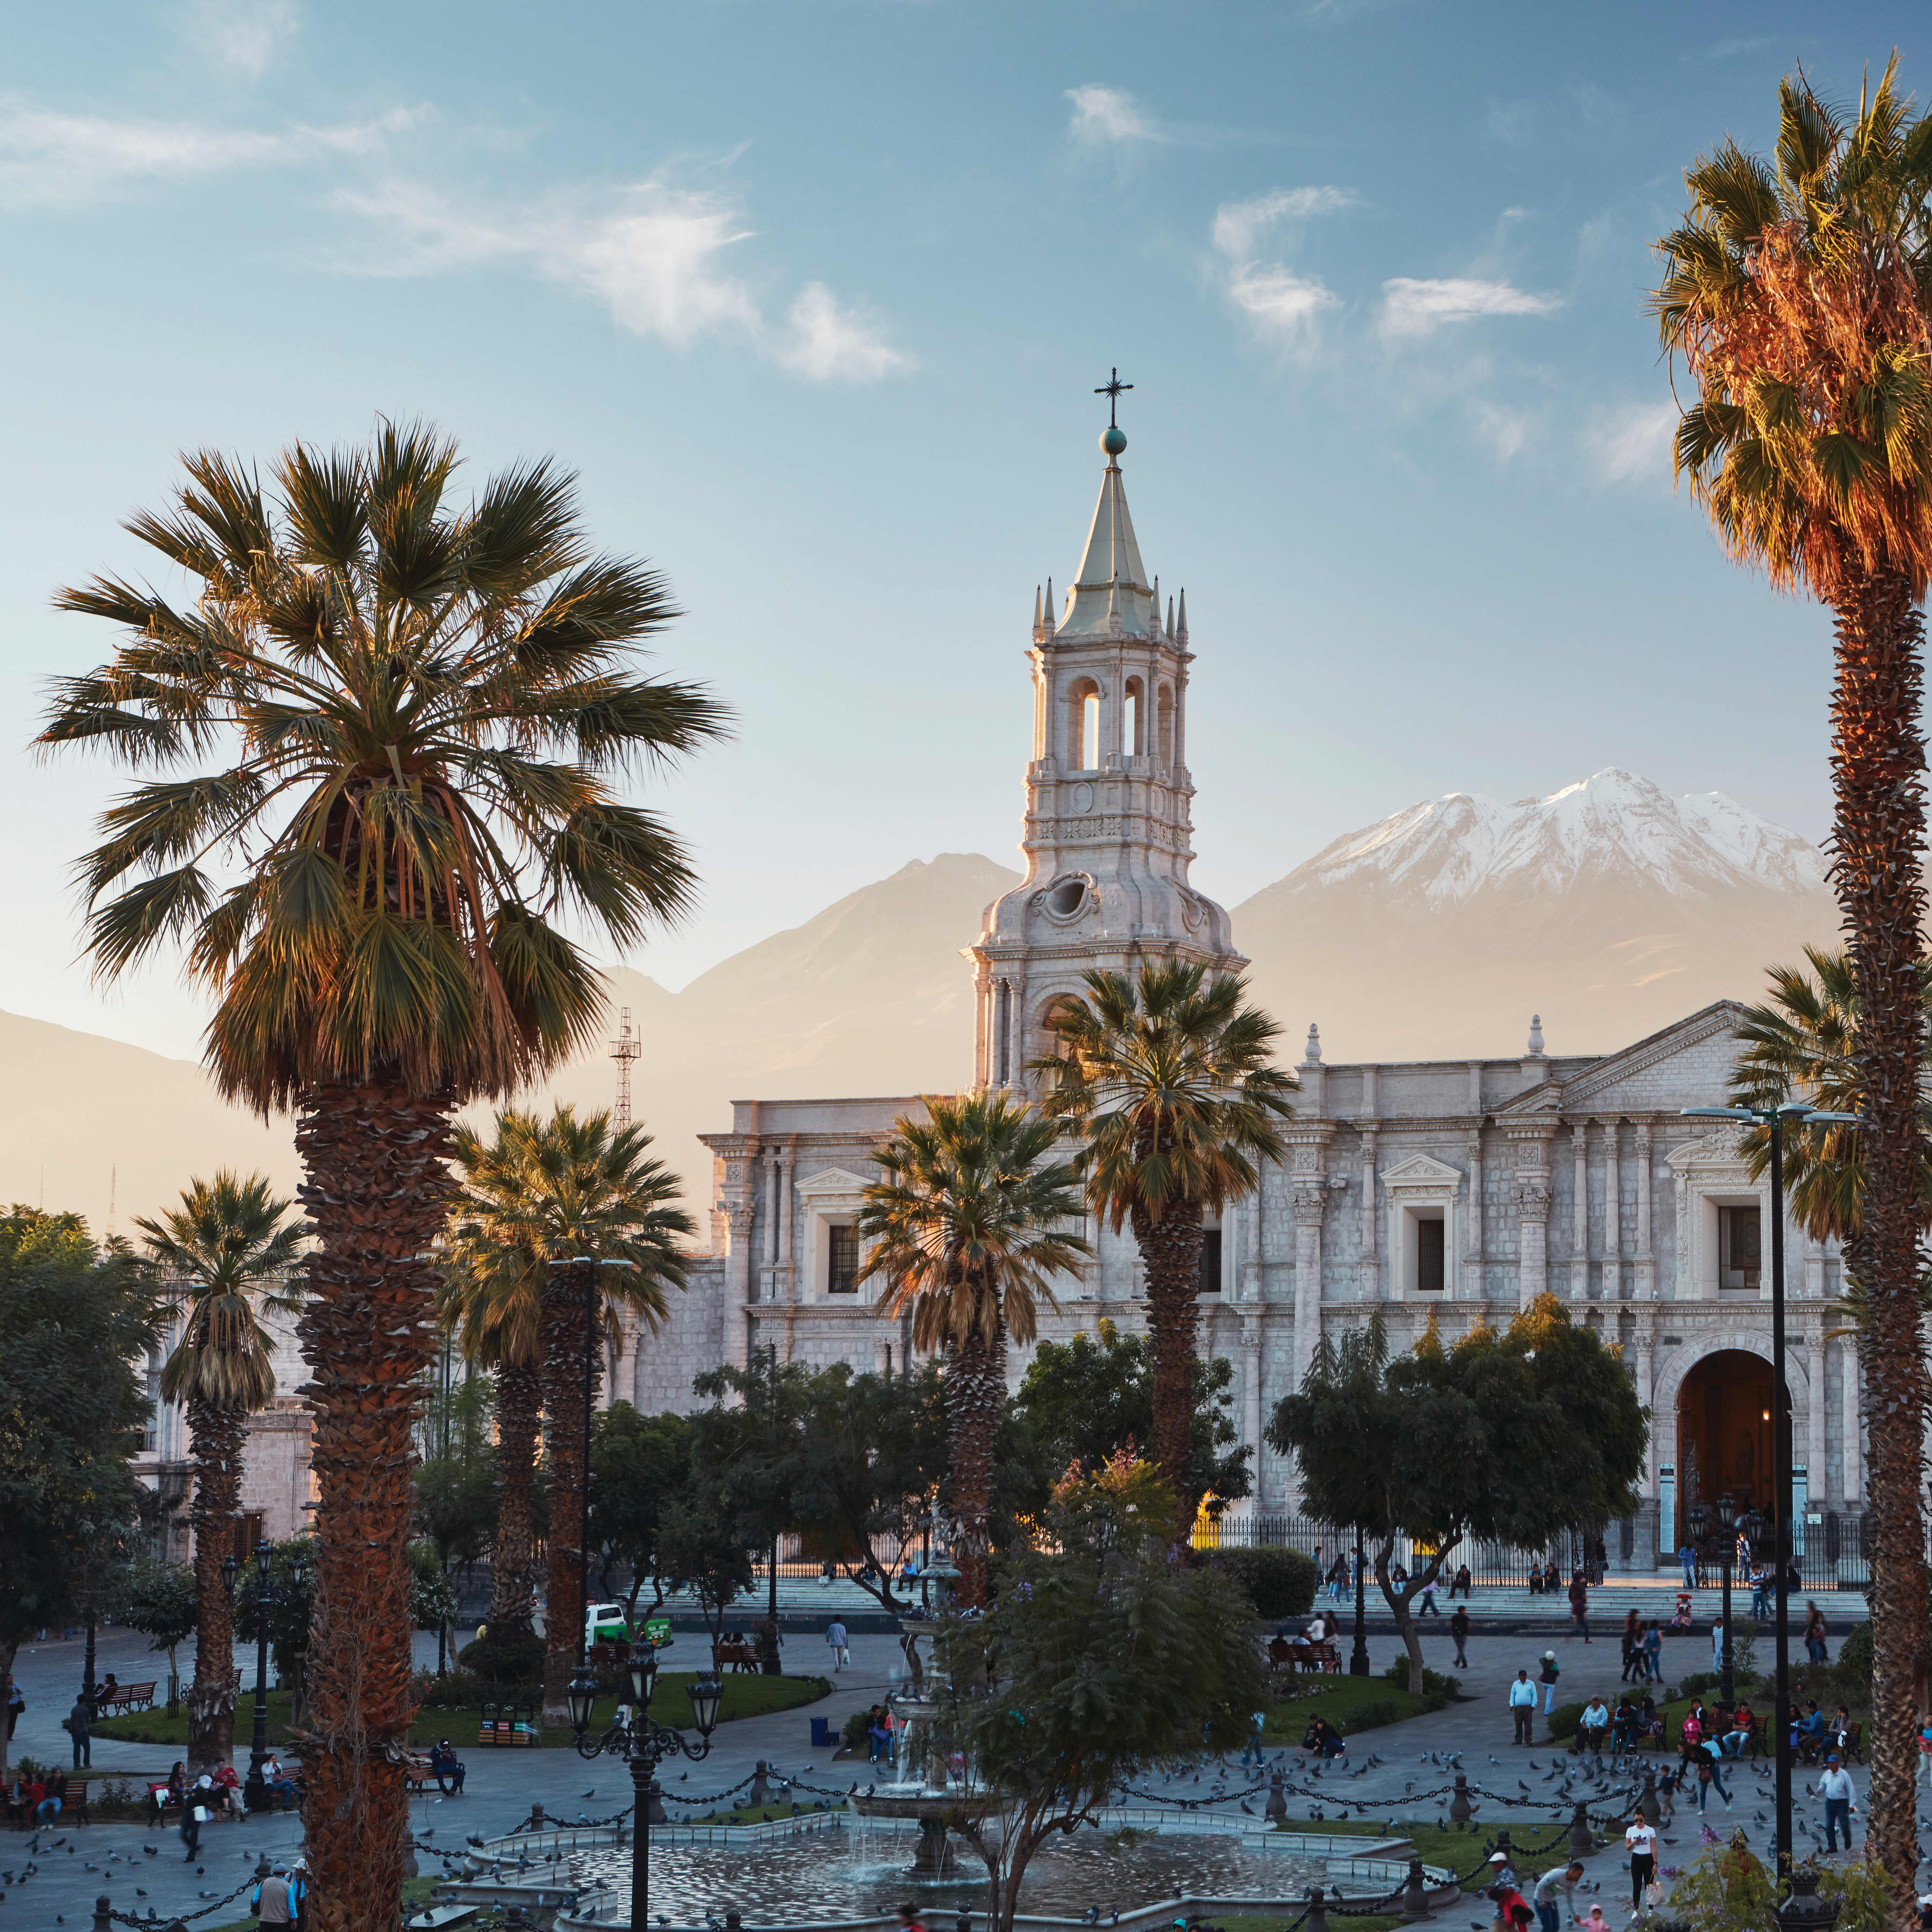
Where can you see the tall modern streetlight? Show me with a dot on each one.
(1774, 1121)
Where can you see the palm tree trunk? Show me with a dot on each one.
(519, 1402)
(1878, 835)
(1171, 1254)
(976, 1399)
(562, 1341)
(215, 1435)
(377, 1191)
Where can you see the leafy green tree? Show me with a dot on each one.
(379, 750)
(74, 1321)
(748, 1460)
(225, 1254)
(1101, 1661)
(290, 1615)
(161, 1602)
(640, 1469)
(1167, 1080)
(1510, 1436)
(968, 1223)
(456, 1480)
(1086, 1399)
(703, 1549)
(1799, 294)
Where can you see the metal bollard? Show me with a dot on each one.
(1582, 1839)
(1277, 1798)
(1415, 1894)
(761, 1792)
(1647, 1802)
(102, 1922)
(1317, 1920)
(1460, 1809)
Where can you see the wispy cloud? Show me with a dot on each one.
(1634, 442)
(1108, 117)
(244, 38)
(1506, 430)
(1282, 306)
(830, 343)
(49, 159)
(1411, 308)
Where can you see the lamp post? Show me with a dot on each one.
(1358, 1657)
(1774, 1121)
(255, 1789)
(1715, 1530)
(645, 1744)
(589, 1264)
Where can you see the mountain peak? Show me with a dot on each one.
(1615, 823)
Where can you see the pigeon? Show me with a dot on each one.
(1245, 1806)
(152, 1851)
(140, 1892)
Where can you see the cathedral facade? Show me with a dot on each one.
(1458, 1190)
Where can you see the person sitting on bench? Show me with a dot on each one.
(279, 1783)
(1744, 1728)
(447, 1769)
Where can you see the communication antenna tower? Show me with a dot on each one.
(624, 1048)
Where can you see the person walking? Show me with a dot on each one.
(1653, 1650)
(1555, 1897)
(17, 1702)
(1688, 1556)
(1546, 1676)
(1633, 1645)
(1522, 1707)
(1579, 1605)
(1458, 1629)
(1640, 1836)
(1428, 1608)
(1840, 1802)
(78, 1721)
(1251, 1751)
(1814, 1633)
(1709, 1752)
(196, 1810)
(271, 1903)
(837, 1641)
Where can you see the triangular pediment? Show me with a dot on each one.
(1420, 1170)
(1546, 1097)
(833, 1180)
(1598, 1083)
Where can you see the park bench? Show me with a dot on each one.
(738, 1657)
(127, 1697)
(416, 1771)
(73, 1804)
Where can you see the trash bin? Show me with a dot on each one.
(822, 1734)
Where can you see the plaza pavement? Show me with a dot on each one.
(503, 1784)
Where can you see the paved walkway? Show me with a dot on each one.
(502, 1786)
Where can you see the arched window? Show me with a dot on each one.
(1164, 726)
(1049, 1045)
(1083, 725)
(1133, 722)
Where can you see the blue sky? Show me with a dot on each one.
(813, 296)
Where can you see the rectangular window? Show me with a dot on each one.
(247, 1535)
(841, 1275)
(1738, 1248)
(1211, 1260)
(1429, 1257)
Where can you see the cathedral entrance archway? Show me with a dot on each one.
(1724, 1428)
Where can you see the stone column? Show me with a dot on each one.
(1854, 1458)
(1579, 1234)
(1310, 1197)
(1643, 1371)
(1371, 1267)
(1251, 1397)
(772, 1218)
(1814, 1269)
(1532, 1211)
(1646, 1262)
(738, 1283)
(787, 1208)
(1473, 1287)
(1815, 1416)
(1613, 1211)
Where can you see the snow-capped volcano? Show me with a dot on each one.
(1610, 907)
(1452, 848)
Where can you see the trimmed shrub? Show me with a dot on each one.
(1855, 1653)
(1370, 1715)
(1279, 1583)
(1438, 1692)
(1566, 1719)
(513, 1662)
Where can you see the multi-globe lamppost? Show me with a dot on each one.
(267, 1594)
(1774, 1121)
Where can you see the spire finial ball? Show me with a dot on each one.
(1113, 439)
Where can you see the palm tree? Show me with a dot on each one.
(379, 748)
(230, 1250)
(1802, 1042)
(568, 1212)
(1167, 1081)
(968, 1228)
(1799, 296)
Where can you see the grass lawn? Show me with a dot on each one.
(745, 1696)
(1537, 1845)
(415, 1892)
(1350, 1704)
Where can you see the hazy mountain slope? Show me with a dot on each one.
(1608, 908)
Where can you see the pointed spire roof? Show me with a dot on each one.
(1112, 580)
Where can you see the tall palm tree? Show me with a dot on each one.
(229, 1249)
(1168, 1082)
(968, 1228)
(380, 747)
(586, 1221)
(492, 1302)
(1798, 295)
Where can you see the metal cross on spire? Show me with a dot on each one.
(1112, 389)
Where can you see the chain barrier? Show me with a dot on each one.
(154, 1918)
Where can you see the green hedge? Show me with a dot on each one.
(516, 1662)
(1565, 1720)
(1437, 1691)
(1279, 1583)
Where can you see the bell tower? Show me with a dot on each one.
(1108, 830)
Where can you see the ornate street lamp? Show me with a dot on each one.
(267, 1593)
(1358, 1657)
(645, 1744)
(1775, 1120)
